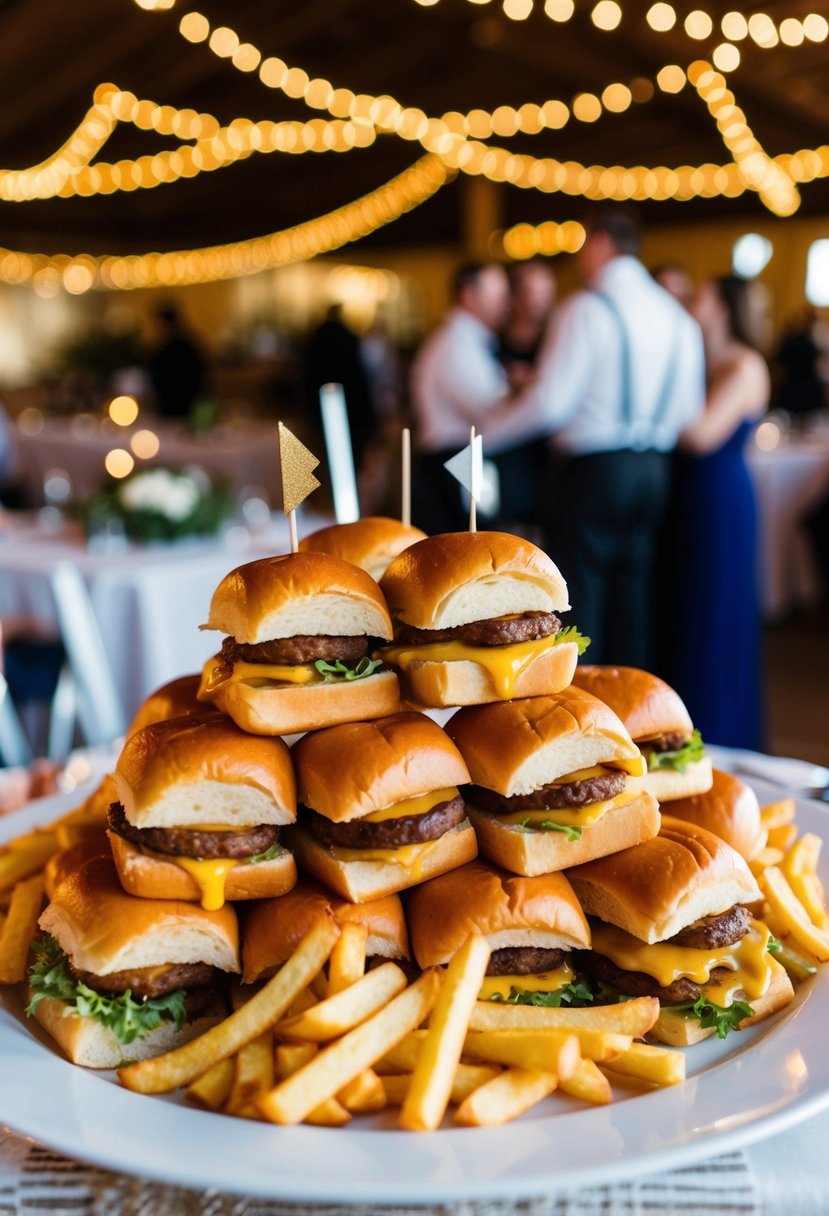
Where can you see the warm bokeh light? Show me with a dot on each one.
(671, 78)
(524, 241)
(762, 30)
(617, 98)
(155, 6)
(123, 410)
(698, 24)
(194, 27)
(587, 107)
(518, 10)
(661, 17)
(816, 27)
(791, 32)
(559, 10)
(606, 15)
(119, 463)
(726, 57)
(145, 444)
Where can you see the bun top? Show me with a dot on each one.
(647, 705)
(370, 543)
(458, 577)
(174, 700)
(515, 747)
(103, 929)
(654, 889)
(298, 593)
(730, 810)
(508, 910)
(273, 928)
(349, 771)
(202, 771)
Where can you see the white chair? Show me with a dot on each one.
(14, 747)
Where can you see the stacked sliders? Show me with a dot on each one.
(371, 543)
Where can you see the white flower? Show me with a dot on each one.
(169, 494)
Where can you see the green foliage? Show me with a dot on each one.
(571, 634)
(548, 825)
(268, 855)
(576, 994)
(333, 673)
(722, 1018)
(679, 760)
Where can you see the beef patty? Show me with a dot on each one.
(393, 833)
(303, 648)
(524, 960)
(712, 932)
(146, 982)
(673, 741)
(501, 631)
(190, 842)
(550, 797)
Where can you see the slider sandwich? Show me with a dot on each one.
(730, 810)
(475, 621)
(658, 722)
(297, 654)
(549, 781)
(531, 924)
(370, 543)
(671, 921)
(274, 928)
(119, 978)
(177, 699)
(381, 806)
(199, 809)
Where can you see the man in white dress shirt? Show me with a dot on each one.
(456, 380)
(620, 374)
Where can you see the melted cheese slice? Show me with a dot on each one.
(748, 959)
(542, 981)
(577, 817)
(216, 676)
(420, 805)
(503, 664)
(410, 856)
(211, 876)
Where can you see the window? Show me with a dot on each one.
(751, 254)
(817, 274)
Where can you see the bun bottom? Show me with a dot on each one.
(86, 1042)
(533, 852)
(672, 1028)
(359, 881)
(151, 876)
(285, 709)
(464, 682)
(666, 784)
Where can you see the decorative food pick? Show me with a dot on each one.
(467, 467)
(406, 477)
(296, 465)
(340, 455)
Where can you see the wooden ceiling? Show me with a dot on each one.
(453, 55)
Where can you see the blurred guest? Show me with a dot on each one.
(619, 375)
(676, 281)
(176, 365)
(714, 656)
(801, 389)
(456, 380)
(334, 356)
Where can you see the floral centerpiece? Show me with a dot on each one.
(161, 505)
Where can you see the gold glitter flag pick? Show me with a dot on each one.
(297, 466)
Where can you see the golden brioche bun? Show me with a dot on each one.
(298, 593)
(198, 771)
(730, 810)
(459, 577)
(174, 700)
(345, 772)
(508, 911)
(63, 863)
(661, 886)
(668, 784)
(388, 870)
(515, 747)
(629, 819)
(284, 709)
(435, 684)
(154, 876)
(273, 928)
(370, 543)
(647, 705)
(672, 1028)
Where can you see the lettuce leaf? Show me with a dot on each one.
(128, 1019)
(679, 760)
(267, 855)
(723, 1018)
(332, 673)
(576, 994)
(571, 634)
(548, 825)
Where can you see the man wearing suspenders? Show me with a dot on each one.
(620, 374)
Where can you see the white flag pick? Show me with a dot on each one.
(467, 467)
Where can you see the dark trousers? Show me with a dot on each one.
(603, 514)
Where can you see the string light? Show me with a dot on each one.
(524, 241)
(123, 410)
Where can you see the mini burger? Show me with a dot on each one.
(199, 809)
(730, 810)
(531, 924)
(549, 781)
(297, 652)
(116, 977)
(370, 543)
(671, 921)
(177, 699)
(475, 621)
(381, 809)
(658, 722)
(274, 928)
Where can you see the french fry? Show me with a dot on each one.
(505, 1097)
(404, 1055)
(254, 1073)
(348, 958)
(467, 1078)
(180, 1066)
(588, 1083)
(26, 856)
(304, 1001)
(765, 858)
(19, 929)
(290, 1057)
(319, 987)
(211, 1090)
(776, 814)
(656, 1065)
(338, 1014)
(800, 868)
(547, 1049)
(783, 836)
(431, 1086)
(395, 1087)
(339, 1063)
(634, 1017)
(364, 1094)
(787, 908)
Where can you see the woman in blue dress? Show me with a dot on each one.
(714, 659)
